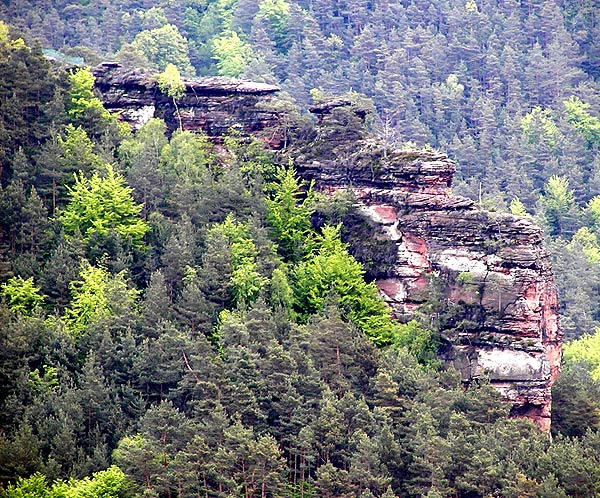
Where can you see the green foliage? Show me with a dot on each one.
(421, 342)
(575, 400)
(232, 54)
(246, 280)
(30, 92)
(585, 240)
(464, 278)
(170, 82)
(4, 33)
(586, 349)
(89, 298)
(81, 98)
(281, 291)
(109, 483)
(77, 150)
(289, 214)
(517, 207)
(188, 156)
(314, 404)
(578, 115)
(95, 296)
(21, 295)
(101, 205)
(539, 126)
(594, 211)
(558, 189)
(48, 382)
(277, 14)
(558, 203)
(254, 160)
(163, 46)
(34, 486)
(331, 271)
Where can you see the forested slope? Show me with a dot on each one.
(508, 89)
(166, 305)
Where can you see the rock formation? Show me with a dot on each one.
(212, 105)
(484, 277)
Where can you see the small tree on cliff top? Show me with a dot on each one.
(171, 84)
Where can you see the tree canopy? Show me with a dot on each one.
(186, 319)
(103, 204)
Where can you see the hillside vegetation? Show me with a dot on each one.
(172, 323)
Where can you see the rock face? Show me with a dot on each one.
(484, 277)
(212, 105)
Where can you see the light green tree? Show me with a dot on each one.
(517, 207)
(163, 46)
(34, 486)
(289, 213)
(77, 150)
(188, 156)
(538, 125)
(420, 341)
(331, 270)
(578, 115)
(586, 349)
(593, 210)
(81, 99)
(97, 294)
(171, 84)
(282, 293)
(21, 295)
(232, 54)
(277, 15)
(558, 205)
(585, 240)
(89, 298)
(246, 280)
(101, 205)
(109, 483)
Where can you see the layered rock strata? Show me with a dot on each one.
(485, 278)
(212, 105)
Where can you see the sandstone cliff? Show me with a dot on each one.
(485, 276)
(213, 105)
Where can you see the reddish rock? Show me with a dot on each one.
(497, 304)
(386, 214)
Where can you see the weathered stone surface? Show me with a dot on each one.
(497, 304)
(212, 105)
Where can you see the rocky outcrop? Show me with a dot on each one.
(211, 105)
(484, 278)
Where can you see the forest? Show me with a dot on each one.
(175, 323)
